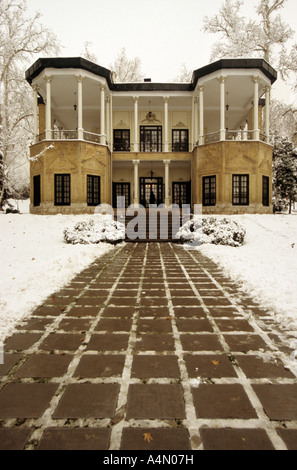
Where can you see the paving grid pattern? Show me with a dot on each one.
(151, 338)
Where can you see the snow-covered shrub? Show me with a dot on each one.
(104, 229)
(218, 231)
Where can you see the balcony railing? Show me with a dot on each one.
(182, 147)
(151, 148)
(71, 135)
(235, 135)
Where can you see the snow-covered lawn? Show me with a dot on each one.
(35, 262)
(266, 264)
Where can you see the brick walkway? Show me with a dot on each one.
(150, 341)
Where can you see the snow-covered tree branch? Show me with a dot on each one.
(21, 38)
(267, 36)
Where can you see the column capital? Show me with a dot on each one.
(136, 162)
(165, 99)
(48, 78)
(107, 99)
(222, 79)
(79, 78)
(256, 78)
(166, 162)
(201, 88)
(135, 99)
(101, 87)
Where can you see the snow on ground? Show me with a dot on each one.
(35, 262)
(266, 264)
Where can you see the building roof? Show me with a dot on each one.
(84, 64)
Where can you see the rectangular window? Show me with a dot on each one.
(240, 190)
(121, 190)
(180, 140)
(265, 191)
(36, 191)
(121, 140)
(93, 190)
(151, 138)
(209, 190)
(62, 190)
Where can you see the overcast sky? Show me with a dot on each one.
(164, 34)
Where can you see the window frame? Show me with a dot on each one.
(65, 192)
(265, 191)
(241, 194)
(91, 190)
(212, 199)
(179, 145)
(36, 190)
(123, 145)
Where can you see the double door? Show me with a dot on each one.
(151, 191)
(151, 138)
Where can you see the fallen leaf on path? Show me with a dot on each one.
(147, 437)
(215, 363)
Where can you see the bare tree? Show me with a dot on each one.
(127, 70)
(21, 38)
(185, 75)
(87, 52)
(266, 37)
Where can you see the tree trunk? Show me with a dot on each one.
(1, 195)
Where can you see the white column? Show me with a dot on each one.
(102, 115)
(35, 110)
(136, 139)
(201, 115)
(195, 122)
(222, 108)
(267, 112)
(256, 108)
(166, 146)
(48, 109)
(80, 130)
(136, 192)
(166, 163)
(111, 123)
(107, 104)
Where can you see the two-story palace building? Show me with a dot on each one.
(204, 142)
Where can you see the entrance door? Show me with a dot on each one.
(151, 138)
(121, 189)
(151, 191)
(181, 193)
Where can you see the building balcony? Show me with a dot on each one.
(154, 147)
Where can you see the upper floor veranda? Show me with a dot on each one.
(76, 99)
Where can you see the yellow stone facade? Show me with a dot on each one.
(224, 159)
(78, 159)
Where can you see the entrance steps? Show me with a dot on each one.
(153, 226)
